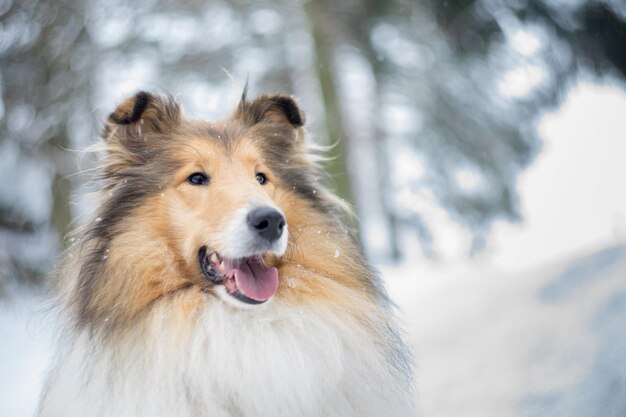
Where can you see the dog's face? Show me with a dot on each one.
(223, 206)
(222, 193)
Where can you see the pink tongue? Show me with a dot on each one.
(255, 279)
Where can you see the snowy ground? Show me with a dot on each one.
(534, 327)
(25, 352)
(551, 342)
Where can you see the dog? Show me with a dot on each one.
(217, 278)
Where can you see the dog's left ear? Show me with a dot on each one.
(270, 108)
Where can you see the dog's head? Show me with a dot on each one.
(222, 195)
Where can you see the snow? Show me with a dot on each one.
(25, 352)
(27, 181)
(489, 343)
(522, 80)
(532, 327)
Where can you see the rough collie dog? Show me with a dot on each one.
(216, 278)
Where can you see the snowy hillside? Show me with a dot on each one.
(549, 343)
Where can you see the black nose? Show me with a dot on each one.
(268, 222)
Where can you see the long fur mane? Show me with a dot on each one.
(145, 336)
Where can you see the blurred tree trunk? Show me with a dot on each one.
(324, 45)
(333, 25)
(61, 216)
(77, 98)
(384, 191)
(385, 185)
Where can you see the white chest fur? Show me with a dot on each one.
(276, 360)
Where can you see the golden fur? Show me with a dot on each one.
(140, 252)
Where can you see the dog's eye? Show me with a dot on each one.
(198, 178)
(261, 178)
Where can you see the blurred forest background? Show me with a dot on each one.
(493, 130)
(432, 104)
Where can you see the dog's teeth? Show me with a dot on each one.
(214, 259)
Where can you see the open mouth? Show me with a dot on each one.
(247, 279)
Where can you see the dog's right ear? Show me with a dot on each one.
(135, 118)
